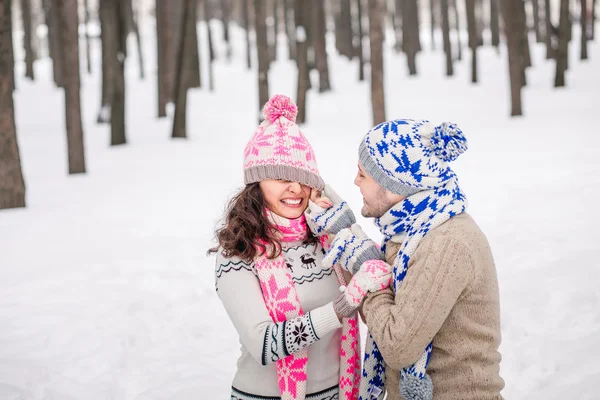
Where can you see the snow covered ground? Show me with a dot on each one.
(105, 288)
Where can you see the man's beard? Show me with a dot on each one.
(379, 205)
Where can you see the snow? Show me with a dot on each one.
(106, 291)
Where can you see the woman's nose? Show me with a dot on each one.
(294, 187)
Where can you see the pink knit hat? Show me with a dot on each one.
(278, 150)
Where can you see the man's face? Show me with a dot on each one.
(376, 200)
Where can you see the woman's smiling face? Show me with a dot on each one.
(286, 199)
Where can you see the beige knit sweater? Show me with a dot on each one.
(450, 295)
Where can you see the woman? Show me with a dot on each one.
(297, 342)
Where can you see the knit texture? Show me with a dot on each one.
(407, 156)
(450, 294)
(410, 158)
(331, 220)
(282, 302)
(278, 150)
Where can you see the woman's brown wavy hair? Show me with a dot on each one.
(246, 232)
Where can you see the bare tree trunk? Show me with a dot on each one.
(246, 24)
(457, 28)
(302, 59)
(135, 19)
(185, 72)
(410, 34)
(479, 22)
(262, 46)
(211, 50)
(548, 34)
(226, 13)
(318, 8)
(54, 43)
(524, 42)
(69, 23)
(562, 51)
(471, 22)
(88, 47)
(376, 11)
(398, 27)
(27, 31)
(162, 55)
(109, 39)
(495, 23)
(290, 28)
(593, 30)
(274, 31)
(432, 19)
(446, 36)
(12, 185)
(344, 28)
(361, 51)
(536, 21)
(117, 101)
(584, 33)
(512, 30)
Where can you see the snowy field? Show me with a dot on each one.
(105, 289)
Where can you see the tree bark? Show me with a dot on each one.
(117, 102)
(495, 23)
(302, 59)
(185, 71)
(211, 50)
(562, 51)
(88, 47)
(162, 53)
(69, 23)
(344, 28)
(457, 28)
(361, 51)
(274, 29)
(524, 38)
(398, 27)
(473, 39)
(290, 28)
(432, 22)
(246, 25)
(134, 21)
(262, 46)
(593, 30)
(584, 33)
(376, 11)
(12, 185)
(318, 8)
(109, 40)
(548, 31)
(54, 43)
(226, 14)
(536, 21)
(27, 38)
(512, 31)
(446, 36)
(410, 34)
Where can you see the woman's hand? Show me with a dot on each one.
(316, 196)
(328, 213)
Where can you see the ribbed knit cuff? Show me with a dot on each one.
(342, 307)
(324, 320)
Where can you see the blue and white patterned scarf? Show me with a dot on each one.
(407, 223)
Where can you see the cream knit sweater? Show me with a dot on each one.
(450, 296)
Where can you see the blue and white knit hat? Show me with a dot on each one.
(406, 156)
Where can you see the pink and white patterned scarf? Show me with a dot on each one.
(282, 302)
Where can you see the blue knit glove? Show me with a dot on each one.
(351, 248)
(330, 220)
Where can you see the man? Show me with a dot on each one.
(436, 330)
